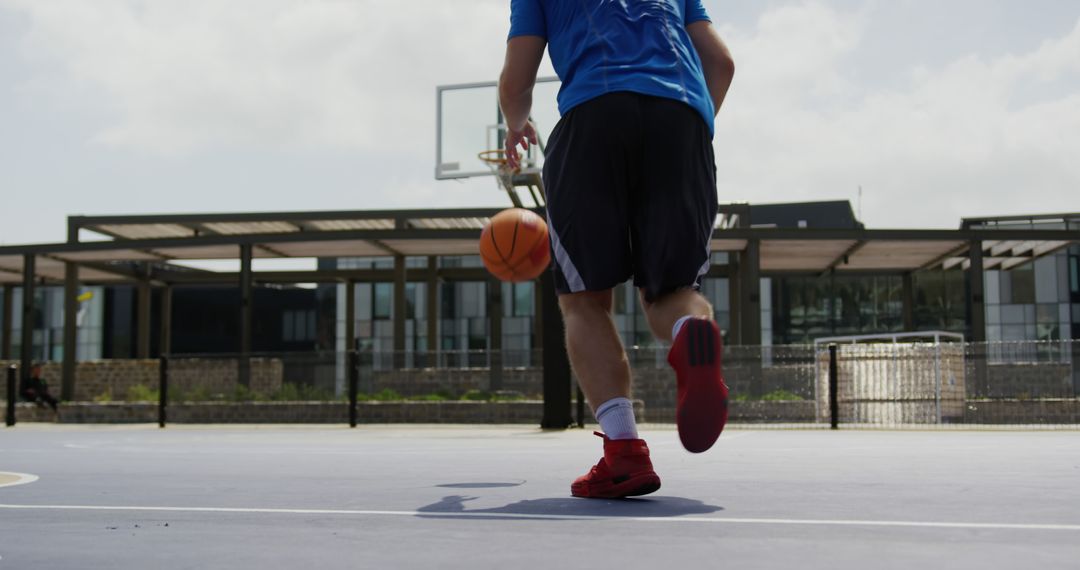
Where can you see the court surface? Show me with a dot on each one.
(498, 497)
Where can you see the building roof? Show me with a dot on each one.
(832, 214)
(116, 245)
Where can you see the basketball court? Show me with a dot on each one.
(498, 496)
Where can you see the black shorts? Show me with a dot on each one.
(631, 191)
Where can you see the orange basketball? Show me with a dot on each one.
(514, 245)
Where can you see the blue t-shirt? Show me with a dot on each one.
(602, 46)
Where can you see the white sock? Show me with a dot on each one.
(678, 326)
(616, 417)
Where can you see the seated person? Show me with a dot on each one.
(34, 389)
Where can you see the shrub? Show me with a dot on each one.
(142, 393)
(476, 395)
(781, 396)
(386, 395)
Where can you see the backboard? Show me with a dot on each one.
(468, 122)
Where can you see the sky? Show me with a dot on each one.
(937, 109)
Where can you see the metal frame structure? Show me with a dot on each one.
(138, 249)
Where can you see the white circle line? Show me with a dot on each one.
(20, 478)
(525, 516)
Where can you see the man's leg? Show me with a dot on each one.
(669, 309)
(684, 317)
(593, 344)
(599, 362)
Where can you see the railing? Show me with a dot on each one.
(876, 385)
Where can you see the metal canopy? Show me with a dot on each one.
(162, 238)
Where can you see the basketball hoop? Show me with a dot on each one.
(500, 167)
(510, 178)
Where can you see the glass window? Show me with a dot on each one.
(1045, 273)
(992, 287)
(1023, 284)
(287, 326)
(523, 299)
(310, 332)
(364, 301)
(1013, 332)
(1012, 314)
(1074, 274)
(384, 297)
(410, 300)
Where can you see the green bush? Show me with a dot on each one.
(476, 395)
(142, 393)
(105, 396)
(781, 396)
(387, 395)
(774, 396)
(430, 398)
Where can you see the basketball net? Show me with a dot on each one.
(509, 178)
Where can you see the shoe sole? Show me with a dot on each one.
(701, 417)
(633, 487)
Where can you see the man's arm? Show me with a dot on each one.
(523, 57)
(716, 60)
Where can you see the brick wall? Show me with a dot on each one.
(109, 380)
(419, 381)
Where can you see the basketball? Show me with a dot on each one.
(514, 245)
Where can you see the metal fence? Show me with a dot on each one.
(919, 384)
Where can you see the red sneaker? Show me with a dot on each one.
(702, 407)
(624, 471)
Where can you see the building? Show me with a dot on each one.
(1030, 291)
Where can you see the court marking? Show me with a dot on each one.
(10, 479)
(522, 516)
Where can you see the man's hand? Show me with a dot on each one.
(523, 55)
(514, 139)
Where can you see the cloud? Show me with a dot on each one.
(352, 81)
(970, 137)
(182, 77)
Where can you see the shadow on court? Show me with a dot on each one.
(569, 507)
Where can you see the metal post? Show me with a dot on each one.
(750, 309)
(166, 321)
(750, 292)
(27, 349)
(937, 377)
(556, 361)
(537, 323)
(834, 406)
(9, 304)
(495, 317)
(399, 311)
(71, 312)
(432, 311)
(10, 415)
(163, 389)
(350, 315)
(976, 303)
(142, 312)
(977, 312)
(354, 384)
(246, 309)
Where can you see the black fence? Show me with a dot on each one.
(842, 385)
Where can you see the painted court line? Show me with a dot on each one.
(9, 479)
(523, 516)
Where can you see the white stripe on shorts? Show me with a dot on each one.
(573, 278)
